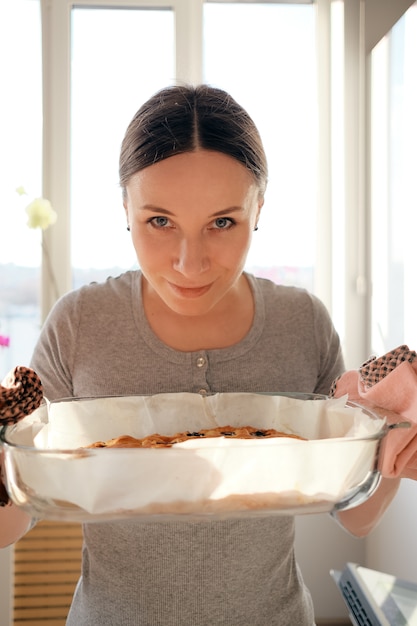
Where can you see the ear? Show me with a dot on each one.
(126, 208)
(258, 213)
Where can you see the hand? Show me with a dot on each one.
(388, 386)
(20, 394)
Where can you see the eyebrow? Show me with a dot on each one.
(157, 209)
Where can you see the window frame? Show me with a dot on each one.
(56, 50)
(56, 42)
(353, 271)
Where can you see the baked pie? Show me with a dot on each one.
(162, 441)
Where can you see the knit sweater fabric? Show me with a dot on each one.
(236, 571)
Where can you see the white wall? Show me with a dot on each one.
(392, 546)
(322, 545)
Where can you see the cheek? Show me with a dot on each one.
(147, 251)
(235, 248)
(231, 257)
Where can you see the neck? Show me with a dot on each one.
(223, 326)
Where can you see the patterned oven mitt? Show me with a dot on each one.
(388, 384)
(20, 394)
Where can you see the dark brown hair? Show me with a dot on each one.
(186, 118)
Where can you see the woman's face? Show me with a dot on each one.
(191, 218)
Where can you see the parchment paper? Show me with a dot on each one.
(198, 474)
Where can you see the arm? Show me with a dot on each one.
(329, 353)
(391, 394)
(54, 352)
(14, 522)
(360, 520)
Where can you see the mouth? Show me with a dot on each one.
(190, 292)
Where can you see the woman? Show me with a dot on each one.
(193, 174)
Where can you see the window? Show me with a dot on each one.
(394, 186)
(108, 84)
(269, 65)
(20, 165)
(92, 92)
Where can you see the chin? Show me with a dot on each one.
(191, 307)
(189, 310)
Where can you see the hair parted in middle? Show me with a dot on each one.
(186, 118)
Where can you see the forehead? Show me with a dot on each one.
(199, 172)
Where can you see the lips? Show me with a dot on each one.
(190, 292)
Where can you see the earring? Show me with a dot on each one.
(256, 228)
(128, 227)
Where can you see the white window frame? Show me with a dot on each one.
(353, 271)
(56, 26)
(56, 19)
(56, 16)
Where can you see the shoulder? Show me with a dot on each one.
(95, 293)
(294, 309)
(93, 302)
(286, 297)
(117, 285)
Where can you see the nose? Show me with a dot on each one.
(191, 258)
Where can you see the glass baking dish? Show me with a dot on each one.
(50, 474)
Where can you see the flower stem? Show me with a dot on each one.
(49, 269)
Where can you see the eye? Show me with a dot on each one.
(159, 221)
(223, 223)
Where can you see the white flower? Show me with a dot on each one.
(40, 214)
